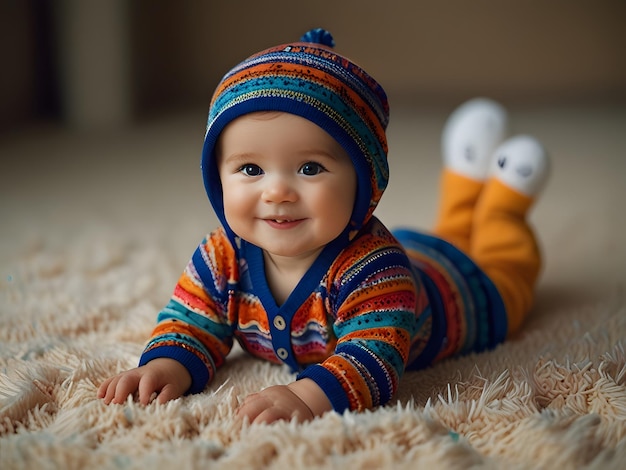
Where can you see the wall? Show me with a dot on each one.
(558, 50)
(427, 52)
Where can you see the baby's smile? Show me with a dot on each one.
(282, 223)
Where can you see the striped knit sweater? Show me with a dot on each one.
(352, 324)
(349, 327)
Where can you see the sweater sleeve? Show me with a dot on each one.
(374, 304)
(195, 327)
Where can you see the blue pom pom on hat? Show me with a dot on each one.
(318, 36)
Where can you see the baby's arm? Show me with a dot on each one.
(303, 400)
(190, 340)
(166, 377)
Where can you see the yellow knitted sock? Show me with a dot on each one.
(457, 197)
(505, 247)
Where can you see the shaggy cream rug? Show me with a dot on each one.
(80, 287)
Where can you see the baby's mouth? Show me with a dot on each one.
(283, 223)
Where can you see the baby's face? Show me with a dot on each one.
(288, 186)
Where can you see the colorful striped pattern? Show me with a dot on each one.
(472, 311)
(352, 334)
(372, 314)
(314, 82)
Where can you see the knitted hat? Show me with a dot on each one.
(308, 79)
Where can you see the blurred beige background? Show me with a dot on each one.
(97, 62)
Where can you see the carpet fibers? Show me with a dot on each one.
(80, 287)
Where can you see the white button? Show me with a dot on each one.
(279, 323)
(282, 353)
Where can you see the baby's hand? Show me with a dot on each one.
(167, 377)
(302, 400)
(273, 404)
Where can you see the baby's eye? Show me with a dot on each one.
(250, 169)
(312, 169)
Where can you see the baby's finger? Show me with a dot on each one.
(269, 415)
(126, 385)
(102, 390)
(109, 390)
(167, 393)
(147, 386)
(253, 406)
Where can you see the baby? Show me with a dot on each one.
(301, 272)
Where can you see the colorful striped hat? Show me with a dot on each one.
(308, 79)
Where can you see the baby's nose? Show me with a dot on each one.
(280, 189)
